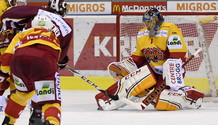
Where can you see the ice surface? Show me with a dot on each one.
(79, 108)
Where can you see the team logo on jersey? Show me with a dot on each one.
(153, 54)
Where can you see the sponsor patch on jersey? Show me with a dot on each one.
(19, 84)
(45, 90)
(143, 33)
(174, 42)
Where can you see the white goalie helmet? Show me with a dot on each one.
(42, 21)
(17, 2)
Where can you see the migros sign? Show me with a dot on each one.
(89, 8)
(196, 6)
(192, 5)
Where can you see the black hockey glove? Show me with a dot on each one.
(63, 63)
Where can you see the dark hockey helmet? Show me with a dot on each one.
(58, 6)
(151, 14)
(155, 17)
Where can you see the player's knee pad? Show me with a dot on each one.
(185, 97)
(136, 83)
(52, 113)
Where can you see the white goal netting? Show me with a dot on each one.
(202, 71)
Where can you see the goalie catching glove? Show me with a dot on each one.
(118, 70)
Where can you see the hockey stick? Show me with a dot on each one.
(114, 97)
(149, 99)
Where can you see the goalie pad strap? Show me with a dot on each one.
(156, 92)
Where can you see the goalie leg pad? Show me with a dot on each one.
(114, 105)
(193, 97)
(101, 96)
(185, 97)
(106, 103)
(169, 100)
(136, 83)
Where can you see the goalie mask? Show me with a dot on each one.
(42, 21)
(58, 6)
(152, 19)
(17, 2)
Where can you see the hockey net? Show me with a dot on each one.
(199, 30)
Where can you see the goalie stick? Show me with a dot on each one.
(149, 99)
(114, 97)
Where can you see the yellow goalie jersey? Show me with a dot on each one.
(167, 43)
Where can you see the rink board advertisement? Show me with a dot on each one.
(89, 8)
(137, 6)
(192, 6)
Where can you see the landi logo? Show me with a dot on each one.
(45, 90)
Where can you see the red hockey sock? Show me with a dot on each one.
(52, 113)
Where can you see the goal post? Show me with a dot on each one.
(200, 29)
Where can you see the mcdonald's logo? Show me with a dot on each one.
(116, 8)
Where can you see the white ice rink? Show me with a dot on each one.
(79, 108)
